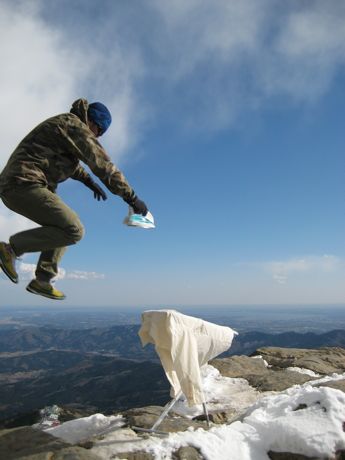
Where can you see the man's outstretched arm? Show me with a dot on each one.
(83, 176)
(90, 151)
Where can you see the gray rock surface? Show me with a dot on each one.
(257, 374)
(187, 453)
(135, 456)
(277, 380)
(337, 384)
(67, 453)
(322, 360)
(290, 456)
(26, 443)
(145, 417)
(239, 366)
(183, 453)
(220, 417)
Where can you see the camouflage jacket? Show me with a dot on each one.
(51, 152)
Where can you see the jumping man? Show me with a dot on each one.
(48, 155)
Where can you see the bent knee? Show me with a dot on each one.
(75, 232)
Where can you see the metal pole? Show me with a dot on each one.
(206, 414)
(165, 411)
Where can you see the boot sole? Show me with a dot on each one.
(9, 276)
(43, 294)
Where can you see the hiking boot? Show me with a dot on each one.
(45, 289)
(8, 261)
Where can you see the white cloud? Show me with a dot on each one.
(34, 83)
(209, 60)
(82, 275)
(43, 72)
(282, 270)
(212, 60)
(307, 53)
(33, 77)
(27, 271)
(281, 279)
(236, 55)
(10, 223)
(198, 32)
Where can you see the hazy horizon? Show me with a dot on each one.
(309, 318)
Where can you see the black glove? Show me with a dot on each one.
(98, 192)
(139, 207)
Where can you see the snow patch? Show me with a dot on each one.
(260, 357)
(84, 428)
(302, 370)
(328, 378)
(221, 393)
(304, 419)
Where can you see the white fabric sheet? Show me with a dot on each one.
(184, 344)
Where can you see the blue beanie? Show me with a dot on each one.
(99, 114)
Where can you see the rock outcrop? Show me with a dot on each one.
(258, 374)
(27, 443)
(322, 360)
(269, 370)
(145, 417)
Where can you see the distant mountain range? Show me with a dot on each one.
(103, 369)
(120, 341)
(247, 343)
(123, 341)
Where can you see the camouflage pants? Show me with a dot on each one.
(59, 226)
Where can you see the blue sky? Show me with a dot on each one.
(227, 121)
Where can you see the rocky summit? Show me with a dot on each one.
(270, 370)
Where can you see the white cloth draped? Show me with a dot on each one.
(184, 344)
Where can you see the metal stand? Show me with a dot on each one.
(165, 412)
(206, 414)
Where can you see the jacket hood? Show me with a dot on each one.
(79, 108)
